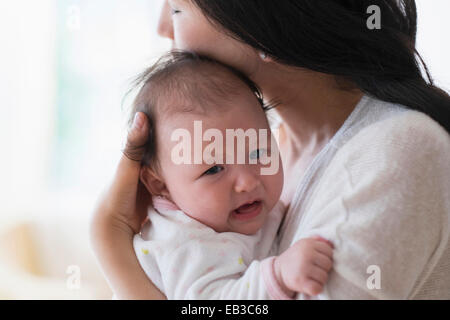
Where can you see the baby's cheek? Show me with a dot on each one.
(274, 187)
(208, 210)
(212, 219)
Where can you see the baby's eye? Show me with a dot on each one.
(258, 153)
(213, 170)
(174, 11)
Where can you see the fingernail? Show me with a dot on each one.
(138, 121)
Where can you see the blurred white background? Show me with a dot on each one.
(65, 67)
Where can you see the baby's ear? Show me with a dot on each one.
(154, 184)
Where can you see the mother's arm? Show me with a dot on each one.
(385, 204)
(118, 217)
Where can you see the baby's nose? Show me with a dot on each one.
(246, 181)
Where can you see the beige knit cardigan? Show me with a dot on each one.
(380, 190)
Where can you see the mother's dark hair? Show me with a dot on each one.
(331, 36)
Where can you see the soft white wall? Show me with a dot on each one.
(27, 89)
(433, 38)
(28, 64)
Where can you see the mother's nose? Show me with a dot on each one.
(165, 26)
(246, 181)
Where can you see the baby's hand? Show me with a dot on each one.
(304, 266)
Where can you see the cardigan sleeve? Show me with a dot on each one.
(384, 201)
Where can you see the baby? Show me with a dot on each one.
(212, 231)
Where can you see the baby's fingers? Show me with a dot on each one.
(312, 287)
(324, 248)
(323, 261)
(318, 274)
(319, 238)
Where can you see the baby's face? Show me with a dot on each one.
(227, 196)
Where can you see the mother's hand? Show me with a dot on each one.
(119, 216)
(127, 200)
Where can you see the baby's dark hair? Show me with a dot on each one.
(186, 76)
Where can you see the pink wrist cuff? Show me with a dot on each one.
(273, 287)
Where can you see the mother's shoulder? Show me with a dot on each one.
(407, 124)
(401, 135)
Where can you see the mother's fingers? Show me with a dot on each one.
(137, 138)
(128, 170)
(123, 205)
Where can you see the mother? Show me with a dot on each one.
(364, 140)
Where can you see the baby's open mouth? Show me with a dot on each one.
(247, 207)
(248, 211)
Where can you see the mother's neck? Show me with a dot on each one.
(312, 106)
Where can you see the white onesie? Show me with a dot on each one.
(186, 259)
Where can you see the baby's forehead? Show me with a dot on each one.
(206, 87)
(232, 115)
(200, 129)
(217, 99)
